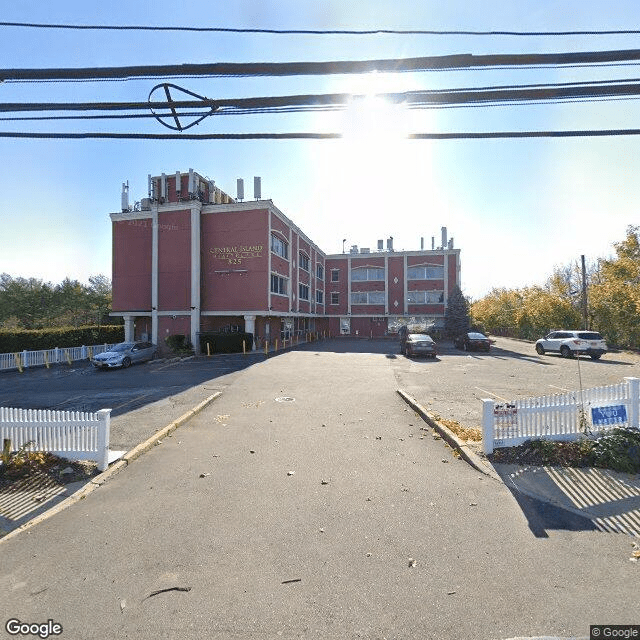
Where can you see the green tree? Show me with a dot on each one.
(456, 315)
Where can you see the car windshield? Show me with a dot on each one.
(477, 336)
(123, 346)
(419, 337)
(589, 335)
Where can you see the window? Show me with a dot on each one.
(425, 297)
(367, 297)
(335, 275)
(279, 247)
(319, 272)
(320, 296)
(427, 272)
(303, 291)
(279, 285)
(304, 261)
(367, 273)
(335, 298)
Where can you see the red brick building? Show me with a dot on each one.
(190, 259)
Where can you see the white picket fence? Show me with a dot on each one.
(560, 416)
(73, 435)
(26, 359)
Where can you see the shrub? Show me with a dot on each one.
(14, 340)
(179, 344)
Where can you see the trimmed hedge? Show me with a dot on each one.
(225, 342)
(15, 340)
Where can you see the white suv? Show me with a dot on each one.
(568, 343)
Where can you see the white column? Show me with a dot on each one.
(250, 327)
(129, 334)
(195, 277)
(154, 275)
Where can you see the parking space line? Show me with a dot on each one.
(492, 394)
(553, 386)
(70, 400)
(124, 404)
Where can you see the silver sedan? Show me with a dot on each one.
(125, 354)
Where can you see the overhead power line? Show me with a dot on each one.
(492, 95)
(394, 65)
(483, 135)
(321, 32)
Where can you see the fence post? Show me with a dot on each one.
(102, 455)
(487, 425)
(634, 401)
(25, 359)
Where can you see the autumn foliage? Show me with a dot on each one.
(613, 294)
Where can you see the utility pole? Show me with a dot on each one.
(585, 315)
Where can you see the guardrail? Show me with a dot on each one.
(560, 416)
(73, 435)
(25, 359)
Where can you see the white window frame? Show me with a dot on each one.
(303, 259)
(303, 291)
(281, 280)
(413, 297)
(367, 296)
(427, 272)
(279, 246)
(376, 274)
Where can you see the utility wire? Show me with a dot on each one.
(410, 98)
(322, 32)
(487, 135)
(394, 65)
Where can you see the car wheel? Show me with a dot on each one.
(540, 349)
(595, 356)
(565, 352)
(465, 346)
(126, 362)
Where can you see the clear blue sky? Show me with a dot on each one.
(515, 208)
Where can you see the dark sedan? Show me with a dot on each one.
(472, 341)
(420, 344)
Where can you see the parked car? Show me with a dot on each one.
(124, 355)
(571, 342)
(420, 344)
(472, 341)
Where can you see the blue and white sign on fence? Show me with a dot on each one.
(613, 414)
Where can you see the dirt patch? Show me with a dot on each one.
(59, 469)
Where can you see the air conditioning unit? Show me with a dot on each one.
(145, 204)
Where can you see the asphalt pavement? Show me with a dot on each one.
(308, 501)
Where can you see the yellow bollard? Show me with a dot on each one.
(266, 348)
(18, 359)
(208, 348)
(276, 345)
(46, 359)
(244, 348)
(284, 343)
(66, 353)
(89, 353)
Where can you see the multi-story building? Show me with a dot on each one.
(190, 259)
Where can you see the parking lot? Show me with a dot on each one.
(146, 397)
(454, 385)
(143, 398)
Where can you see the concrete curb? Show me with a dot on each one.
(113, 469)
(451, 439)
